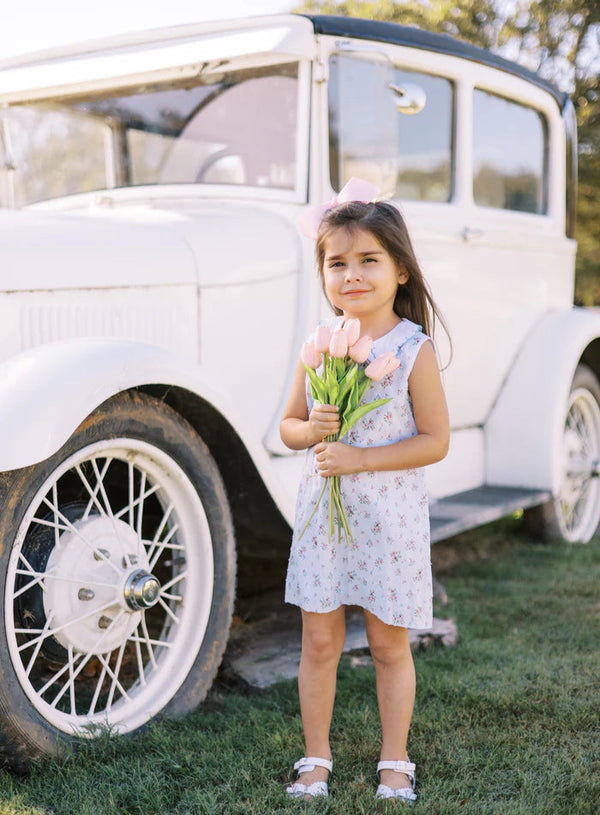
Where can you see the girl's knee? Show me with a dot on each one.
(388, 644)
(323, 640)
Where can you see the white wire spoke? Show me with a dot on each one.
(130, 476)
(100, 482)
(138, 656)
(36, 650)
(37, 577)
(148, 641)
(55, 500)
(118, 515)
(56, 526)
(164, 544)
(161, 527)
(76, 532)
(93, 493)
(144, 641)
(109, 670)
(172, 582)
(72, 622)
(140, 513)
(171, 613)
(71, 683)
(111, 694)
(91, 653)
(177, 598)
(99, 684)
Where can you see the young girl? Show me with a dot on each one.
(369, 271)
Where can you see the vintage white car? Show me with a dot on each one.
(154, 295)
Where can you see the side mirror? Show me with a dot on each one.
(408, 98)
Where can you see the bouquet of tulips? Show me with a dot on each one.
(343, 381)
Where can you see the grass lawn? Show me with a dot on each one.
(506, 723)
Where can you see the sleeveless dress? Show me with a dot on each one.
(387, 569)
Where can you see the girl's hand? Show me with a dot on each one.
(335, 458)
(323, 421)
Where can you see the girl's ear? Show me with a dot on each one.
(402, 274)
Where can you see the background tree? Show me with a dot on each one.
(560, 39)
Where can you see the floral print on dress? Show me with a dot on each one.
(387, 570)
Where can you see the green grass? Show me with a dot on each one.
(506, 723)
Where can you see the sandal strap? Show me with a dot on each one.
(406, 767)
(308, 763)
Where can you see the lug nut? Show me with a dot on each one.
(101, 554)
(85, 594)
(104, 621)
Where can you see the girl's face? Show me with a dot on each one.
(359, 275)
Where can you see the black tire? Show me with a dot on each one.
(574, 514)
(184, 471)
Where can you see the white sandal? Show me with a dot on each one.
(406, 767)
(307, 765)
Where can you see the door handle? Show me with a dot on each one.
(470, 232)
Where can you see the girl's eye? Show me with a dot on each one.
(370, 260)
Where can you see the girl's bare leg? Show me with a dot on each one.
(322, 643)
(395, 674)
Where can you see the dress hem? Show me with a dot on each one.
(420, 627)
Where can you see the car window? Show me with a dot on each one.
(407, 156)
(238, 128)
(509, 154)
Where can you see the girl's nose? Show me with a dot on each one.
(353, 272)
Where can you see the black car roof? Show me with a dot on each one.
(427, 40)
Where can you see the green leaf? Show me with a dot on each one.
(332, 388)
(357, 414)
(346, 388)
(317, 387)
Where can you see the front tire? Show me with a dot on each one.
(574, 513)
(118, 568)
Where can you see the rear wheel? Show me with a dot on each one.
(118, 569)
(574, 514)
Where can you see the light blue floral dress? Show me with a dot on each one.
(387, 569)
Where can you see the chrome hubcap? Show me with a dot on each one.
(141, 590)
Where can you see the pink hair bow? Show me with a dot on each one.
(354, 190)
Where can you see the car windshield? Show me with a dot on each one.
(200, 133)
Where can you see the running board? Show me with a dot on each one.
(456, 513)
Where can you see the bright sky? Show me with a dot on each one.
(33, 25)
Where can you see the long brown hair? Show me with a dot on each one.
(382, 219)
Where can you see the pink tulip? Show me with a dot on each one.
(310, 356)
(351, 329)
(338, 346)
(382, 366)
(361, 349)
(322, 339)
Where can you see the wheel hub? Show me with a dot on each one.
(141, 590)
(99, 583)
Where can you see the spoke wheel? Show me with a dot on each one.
(574, 513)
(119, 581)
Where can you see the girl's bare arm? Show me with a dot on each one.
(300, 430)
(429, 445)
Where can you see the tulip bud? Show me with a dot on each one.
(322, 339)
(382, 366)
(361, 349)
(310, 356)
(351, 329)
(338, 346)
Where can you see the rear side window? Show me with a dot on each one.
(509, 155)
(407, 156)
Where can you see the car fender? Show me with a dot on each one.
(524, 431)
(47, 391)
